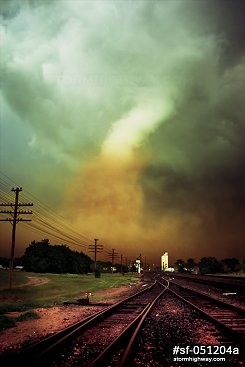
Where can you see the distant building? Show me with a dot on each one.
(170, 270)
(19, 267)
(138, 265)
(164, 261)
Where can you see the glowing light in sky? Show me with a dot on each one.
(128, 132)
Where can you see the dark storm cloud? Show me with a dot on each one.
(198, 164)
(165, 78)
(198, 155)
(219, 189)
(227, 18)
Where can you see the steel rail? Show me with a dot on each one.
(128, 335)
(37, 353)
(237, 283)
(103, 355)
(237, 337)
(210, 298)
(127, 354)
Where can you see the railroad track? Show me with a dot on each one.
(94, 338)
(228, 318)
(224, 321)
(110, 337)
(235, 284)
(118, 352)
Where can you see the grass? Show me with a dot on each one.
(6, 322)
(60, 288)
(10, 321)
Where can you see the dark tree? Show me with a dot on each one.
(190, 264)
(231, 265)
(133, 269)
(243, 265)
(180, 265)
(42, 257)
(210, 265)
(4, 261)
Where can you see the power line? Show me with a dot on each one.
(60, 231)
(96, 248)
(46, 220)
(113, 255)
(57, 220)
(15, 212)
(40, 229)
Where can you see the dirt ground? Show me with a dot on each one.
(54, 319)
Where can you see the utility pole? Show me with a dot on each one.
(95, 248)
(113, 255)
(130, 266)
(126, 260)
(15, 212)
(121, 262)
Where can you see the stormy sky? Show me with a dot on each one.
(127, 118)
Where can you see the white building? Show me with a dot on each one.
(138, 265)
(164, 261)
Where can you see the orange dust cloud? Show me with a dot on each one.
(106, 200)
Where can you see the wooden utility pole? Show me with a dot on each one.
(113, 255)
(15, 212)
(95, 248)
(121, 262)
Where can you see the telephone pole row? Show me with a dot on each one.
(15, 212)
(95, 248)
(113, 255)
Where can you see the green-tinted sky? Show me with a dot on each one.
(127, 118)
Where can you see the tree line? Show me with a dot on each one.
(210, 265)
(42, 257)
